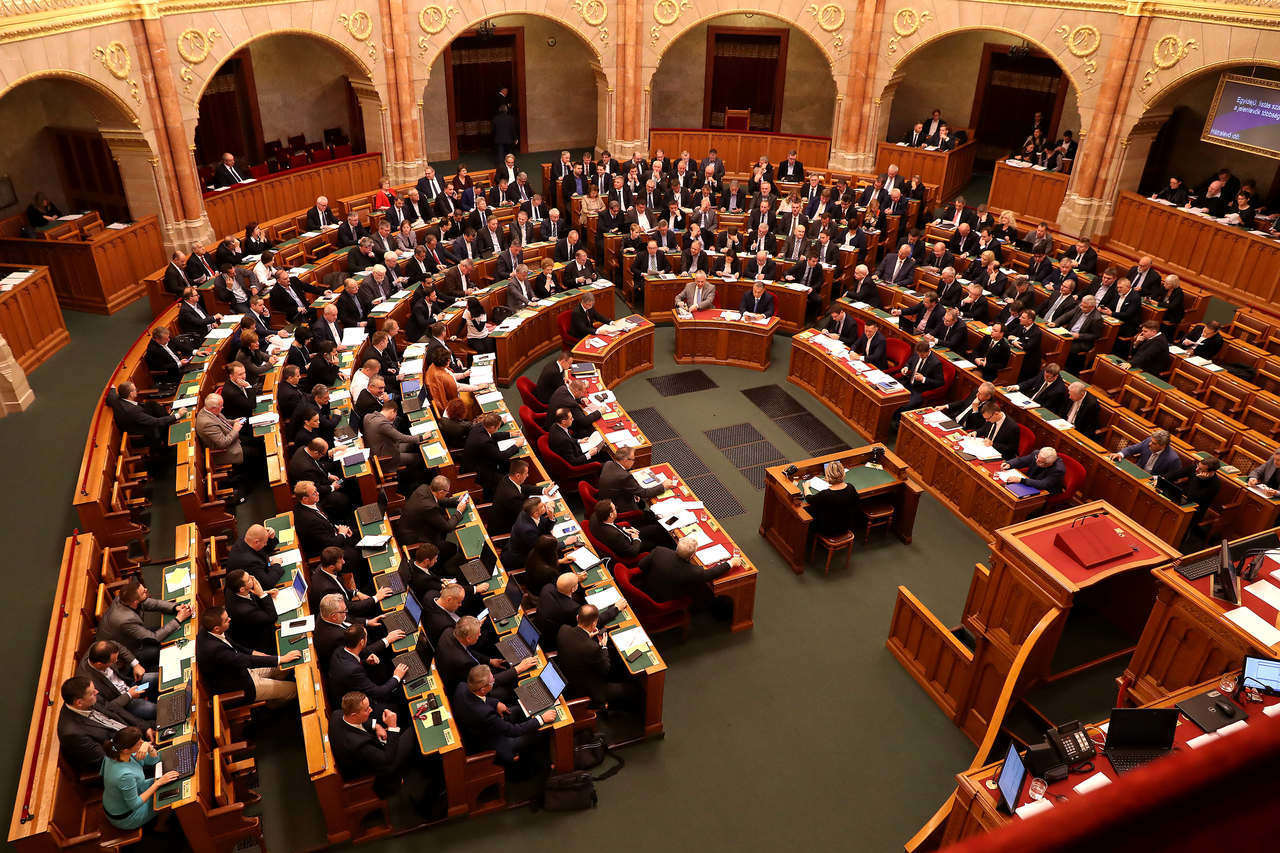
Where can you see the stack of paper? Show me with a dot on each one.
(1254, 625)
(264, 419)
(631, 639)
(817, 484)
(591, 443)
(622, 438)
(975, 447)
(584, 558)
(1022, 401)
(711, 556)
(489, 397)
(353, 336)
(935, 418)
(604, 597)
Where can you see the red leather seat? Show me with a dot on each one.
(1071, 481)
(526, 388)
(560, 470)
(653, 616)
(897, 352)
(1026, 440)
(590, 496)
(566, 337)
(605, 551)
(530, 425)
(939, 394)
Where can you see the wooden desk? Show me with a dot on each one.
(967, 487)
(706, 336)
(1017, 611)
(738, 585)
(30, 317)
(620, 353)
(835, 380)
(785, 520)
(1027, 191)
(1236, 265)
(100, 274)
(790, 301)
(539, 331)
(1187, 638)
(737, 148)
(974, 808)
(231, 208)
(615, 421)
(950, 170)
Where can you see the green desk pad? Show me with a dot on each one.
(180, 431)
(861, 477)
(297, 642)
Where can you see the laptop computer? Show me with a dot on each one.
(505, 604)
(344, 434)
(480, 569)
(173, 708)
(410, 404)
(1137, 736)
(180, 757)
(369, 514)
(1170, 490)
(418, 660)
(520, 645)
(540, 693)
(289, 598)
(406, 619)
(389, 580)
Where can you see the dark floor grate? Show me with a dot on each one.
(733, 435)
(811, 434)
(717, 498)
(681, 457)
(755, 476)
(684, 382)
(654, 426)
(774, 401)
(750, 455)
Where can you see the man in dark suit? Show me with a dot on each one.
(288, 296)
(921, 318)
(1045, 388)
(870, 346)
(484, 726)
(1086, 325)
(482, 454)
(1029, 336)
(163, 359)
(347, 672)
(252, 612)
(1153, 454)
(1172, 300)
(992, 355)
(952, 333)
(175, 274)
(457, 652)
(327, 329)
(1082, 409)
(533, 521)
(623, 543)
(583, 657)
(558, 605)
(651, 262)
(916, 137)
(251, 553)
(1059, 304)
(1150, 349)
(316, 531)
(85, 721)
(585, 318)
(1063, 273)
(320, 216)
(762, 267)
(1041, 470)
(758, 302)
(963, 242)
(1204, 340)
(1126, 307)
(968, 412)
(228, 173)
(1082, 256)
(351, 231)
(509, 497)
(617, 483)
(922, 373)
(958, 212)
(334, 617)
(899, 269)
(552, 376)
(1145, 280)
(998, 430)
(311, 461)
(840, 325)
(227, 666)
(791, 169)
(425, 515)
(192, 318)
(670, 575)
(363, 748)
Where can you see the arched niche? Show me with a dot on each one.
(281, 84)
(678, 85)
(75, 140)
(565, 91)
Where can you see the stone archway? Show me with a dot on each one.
(63, 98)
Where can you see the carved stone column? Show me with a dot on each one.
(876, 126)
(409, 161)
(855, 110)
(374, 117)
(138, 169)
(15, 394)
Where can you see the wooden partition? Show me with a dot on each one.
(100, 275)
(294, 189)
(1028, 192)
(1241, 267)
(30, 318)
(739, 148)
(950, 170)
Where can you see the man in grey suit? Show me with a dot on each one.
(123, 623)
(385, 441)
(706, 216)
(122, 682)
(519, 293)
(1266, 477)
(698, 295)
(85, 721)
(222, 437)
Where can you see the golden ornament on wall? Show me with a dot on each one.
(358, 23)
(592, 11)
(1168, 52)
(194, 46)
(115, 58)
(906, 23)
(830, 16)
(1083, 42)
(187, 79)
(666, 13)
(433, 19)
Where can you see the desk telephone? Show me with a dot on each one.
(1061, 749)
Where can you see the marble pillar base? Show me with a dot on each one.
(852, 161)
(15, 393)
(184, 235)
(1084, 216)
(407, 172)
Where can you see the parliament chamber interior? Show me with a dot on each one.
(594, 423)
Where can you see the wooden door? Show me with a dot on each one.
(90, 178)
(746, 70)
(477, 66)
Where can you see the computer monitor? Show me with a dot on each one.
(1141, 728)
(528, 633)
(1009, 780)
(552, 680)
(1226, 584)
(1262, 674)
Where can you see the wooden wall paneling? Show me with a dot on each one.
(1028, 192)
(31, 319)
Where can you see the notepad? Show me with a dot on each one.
(178, 578)
(374, 540)
(584, 557)
(604, 597)
(565, 528)
(1197, 742)
(294, 627)
(1238, 725)
(714, 554)
(1272, 710)
(264, 419)
(1033, 807)
(1255, 625)
(635, 638)
(1267, 591)
(489, 397)
(506, 444)
(1093, 783)
(422, 427)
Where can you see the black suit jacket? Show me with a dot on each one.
(1128, 312)
(961, 412)
(997, 354)
(930, 370)
(1053, 397)
(423, 519)
(1004, 438)
(666, 577)
(253, 621)
(953, 337)
(161, 364)
(225, 668)
(872, 350)
(315, 532)
(482, 727)
(347, 673)
(483, 456)
(454, 662)
(556, 609)
(1086, 420)
(257, 563)
(191, 321)
(359, 754)
(1151, 355)
(616, 540)
(584, 662)
(317, 220)
(80, 739)
(508, 500)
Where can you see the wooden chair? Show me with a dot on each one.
(880, 515)
(737, 120)
(485, 783)
(832, 545)
(1135, 401)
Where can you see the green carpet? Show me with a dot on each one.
(796, 717)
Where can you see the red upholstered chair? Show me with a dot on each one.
(321, 155)
(737, 119)
(605, 551)
(653, 616)
(341, 151)
(1071, 481)
(590, 495)
(299, 142)
(939, 394)
(526, 387)
(529, 424)
(299, 159)
(560, 470)
(566, 337)
(1026, 440)
(259, 171)
(897, 352)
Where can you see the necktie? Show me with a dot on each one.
(653, 263)
(105, 721)
(896, 267)
(1151, 461)
(1075, 410)
(234, 173)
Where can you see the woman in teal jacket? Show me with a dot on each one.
(126, 796)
